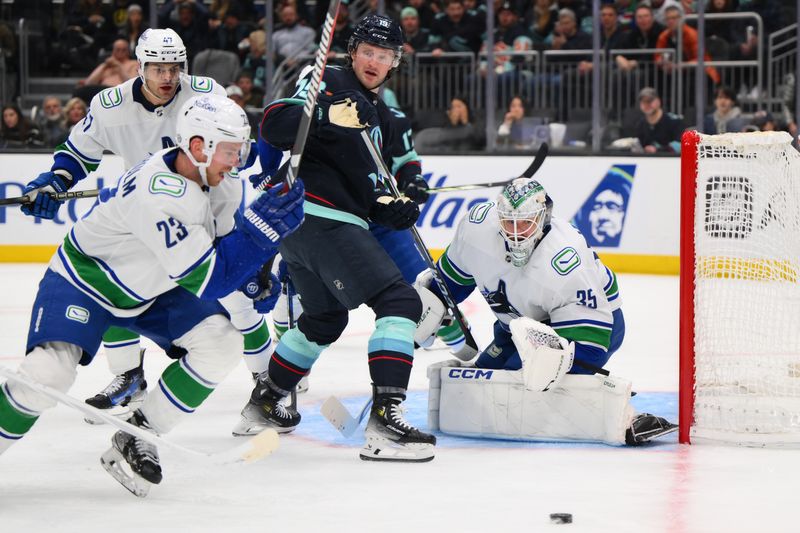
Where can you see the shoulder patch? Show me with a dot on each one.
(566, 261)
(201, 84)
(169, 184)
(478, 213)
(111, 97)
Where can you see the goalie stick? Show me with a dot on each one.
(68, 195)
(423, 250)
(541, 154)
(320, 60)
(253, 450)
(337, 414)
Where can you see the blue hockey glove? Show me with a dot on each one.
(252, 154)
(272, 215)
(264, 290)
(347, 109)
(395, 213)
(417, 190)
(44, 205)
(270, 158)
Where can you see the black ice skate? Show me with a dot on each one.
(390, 438)
(122, 396)
(133, 461)
(266, 409)
(646, 427)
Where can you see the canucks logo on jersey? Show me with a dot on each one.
(601, 218)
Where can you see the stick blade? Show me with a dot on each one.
(337, 414)
(260, 446)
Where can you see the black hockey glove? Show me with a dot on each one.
(395, 213)
(346, 109)
(417, 190)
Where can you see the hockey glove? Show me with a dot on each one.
(264, 289)
(270, 158)
(347, 109)
(395, 213)
(417, 190)
(43, 205)
(272, 215)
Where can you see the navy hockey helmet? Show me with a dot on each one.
(379, 31)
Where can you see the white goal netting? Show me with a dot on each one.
(747, 290)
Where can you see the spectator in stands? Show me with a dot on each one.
(509, 35)
(18, 131)
(236, 94)
(245, 9)
(116, 69)
(417, 39)
(643, 36)
(252, 95)
(455, 30)
(427, 11)
(744, 32)
(95, 20)
(189, 19)
(720, 28)
(612, 34)
(255, 63)
(517, 131)
(51, 122)
(657, 131)
(567, 36)
(660, 9)
(134, 27)
(669, 39)
(231, 32)
(727, 116)
(341, 33)
(626, 10)
(540, 20)
(459, 132)
(74, 111)
(293, 38)
(763, 121)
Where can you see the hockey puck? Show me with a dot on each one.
(560, 518)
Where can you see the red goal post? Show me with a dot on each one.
(740, 290)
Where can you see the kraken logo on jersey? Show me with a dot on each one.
(601, 218)
(498, 300)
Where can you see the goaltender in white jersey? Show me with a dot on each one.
(133, 120)
(559, 320)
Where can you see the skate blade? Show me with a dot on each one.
(115, 464)
(421, 453)
(248, 428)
(123, 412)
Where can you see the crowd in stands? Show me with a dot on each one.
(225, 39)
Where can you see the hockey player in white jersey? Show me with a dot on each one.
(148, 257)
(559, 320)
(133, 120)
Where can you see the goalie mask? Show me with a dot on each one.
(524, 210)
(221, 124)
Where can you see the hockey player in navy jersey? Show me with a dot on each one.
(148, 257)
(133, 120)
(335, 263)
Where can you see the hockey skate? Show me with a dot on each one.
(646, 427)
(123, 395)
(390, 438)
(132, 461)
(266, 409)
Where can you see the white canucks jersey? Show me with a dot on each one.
(564, 283)
(121, 121)
(152, 232)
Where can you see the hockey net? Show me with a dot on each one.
(740, 289)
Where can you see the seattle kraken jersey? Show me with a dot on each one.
(152, 232)
(122, 121)
(563, 284)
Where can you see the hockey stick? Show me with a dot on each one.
(423, 250)
(254, 449)
(68, 195)
(541, 154)
(290, 315)
(320, 60)
(337, 414)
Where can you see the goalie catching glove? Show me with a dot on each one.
(346, 109)
(546, 357)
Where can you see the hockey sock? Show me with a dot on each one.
(180, 391)
(391, 351)
(293, 358)
(451, 335)
(257, 347)
(122, 349)
(14, 421)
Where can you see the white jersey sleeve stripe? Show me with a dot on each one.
(82, 156)
(109, 271)
(189, 270)
(197, 280)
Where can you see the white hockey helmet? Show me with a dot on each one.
(160, 46)
(216, 119)
(524, 211)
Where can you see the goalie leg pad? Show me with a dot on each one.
(433, 313)
(474, 402)
(214, 347)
